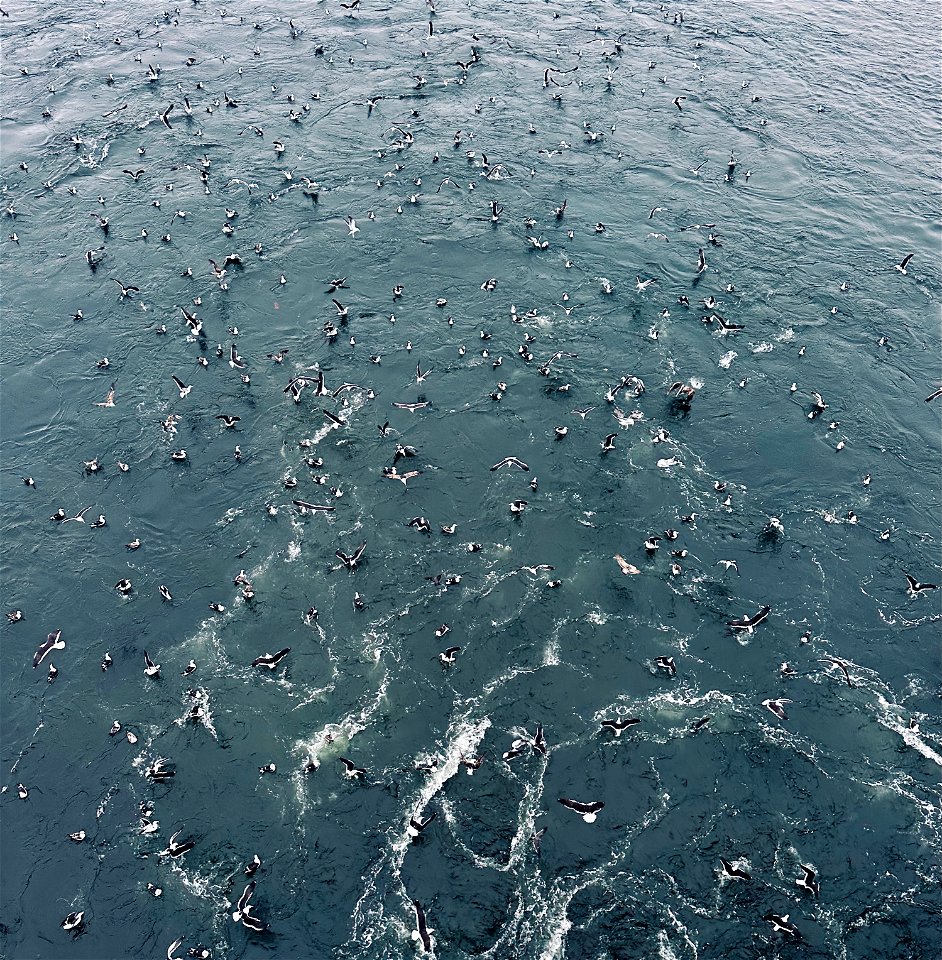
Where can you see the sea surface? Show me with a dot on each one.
(802, 157)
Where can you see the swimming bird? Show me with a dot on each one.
(625, 567)
(750, 623)
(775, 706)
(52, 642)
(123, 586)
(588, 811)
(271, 660)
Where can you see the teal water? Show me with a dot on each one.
(837, 178)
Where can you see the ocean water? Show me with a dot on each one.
(831, 112)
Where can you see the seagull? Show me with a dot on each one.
(643, 285)
(809, 881)
(626, 567)
(750, 623)
(511, 462)
(901, 266)
(228, 421)
(781, 924)
(305, 507)
(73, 921)
(175, 849)
(52, 642)
(416, 826)
(351, 226)
(775, 706)
(350, 561)
(390, 473)
(701, 261)
(838, 663)
(126, 290)
(243, 905)
(618, 727)
(677, 101)
(734, 873)
(728, 564)
(915, 587)
(79, 517)
(172, 949)
(181, 386)
(271, 660)
(151, 669)
(447, 658)
(350, 769)
(422, 933)
(588, 811)
(666, 663)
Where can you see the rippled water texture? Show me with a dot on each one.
(805, 140)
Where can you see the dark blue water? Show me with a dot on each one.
(807, 145)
